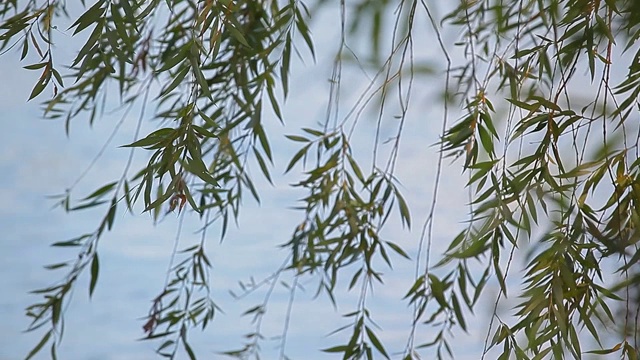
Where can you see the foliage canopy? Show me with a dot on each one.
(541, 90)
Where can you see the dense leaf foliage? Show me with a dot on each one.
(546, 98)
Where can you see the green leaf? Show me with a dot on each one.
(457, 310)
(297, 138)
(546, 103)
(418, 284)
(41, 84)
(264, 142)
(195, 66)
(90, 45)
(57, 75)
(148, 141)
(197, 168)
(523, 105)
(304, 31)
(111, 215)
(95, 269)
(355, 278)
(263, 165)
(187, 348)
(204, 132)
(101, 191)
(297, 157)
(336, 349)
(630, 351)
(541, 355)
(404, 209)
(177, 80)
(56, 266)
(485, 139)
(73, 242)
(606, 351)
(88, 205)
(398, 249)
(376, 342)
(91, 16)
(437, 291)
(356, 168)
(316, 133)
(39, 346)
(36, 66)
(237, 35)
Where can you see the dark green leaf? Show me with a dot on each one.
(91, 16)
(376, 342)
(297, 157)
(39, 346)
(95, 269)
(101, 191)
